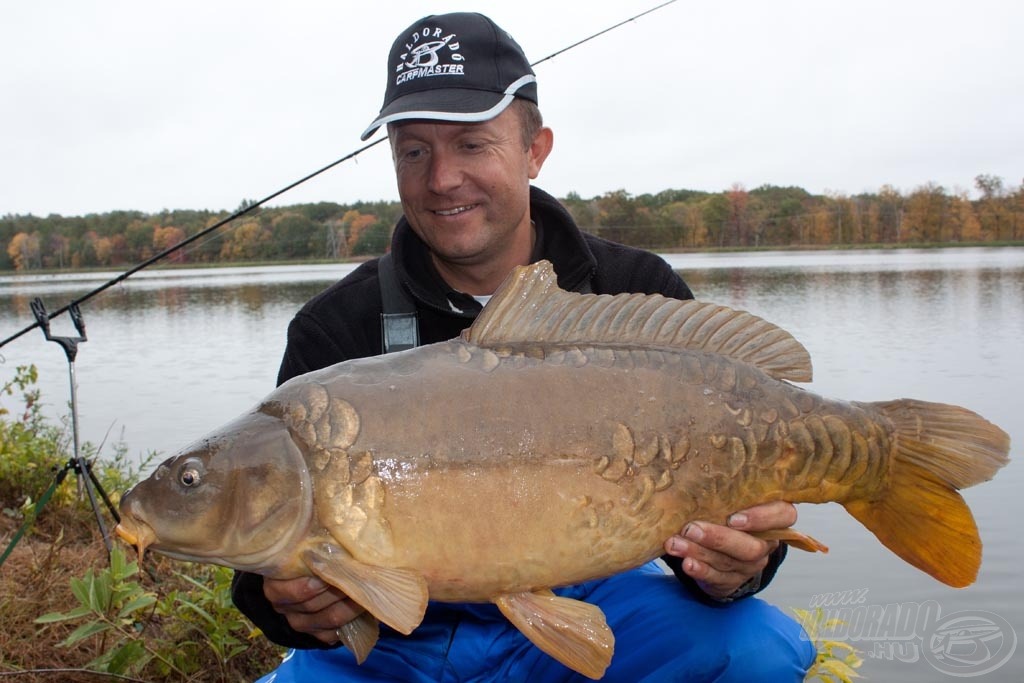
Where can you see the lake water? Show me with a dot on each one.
(174, 354)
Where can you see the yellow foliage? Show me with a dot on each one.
(836, 662)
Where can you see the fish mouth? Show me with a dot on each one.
(136, 534)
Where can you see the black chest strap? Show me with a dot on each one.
(399, 326)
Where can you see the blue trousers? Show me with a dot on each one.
(662, 633)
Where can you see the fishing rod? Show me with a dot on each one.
(602, 32)
(250, 207)
(246, 208)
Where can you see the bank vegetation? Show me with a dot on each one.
(672, 220)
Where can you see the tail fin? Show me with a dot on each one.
(937, 449)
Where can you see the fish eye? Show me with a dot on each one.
(191, 474)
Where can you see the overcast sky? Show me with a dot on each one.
(199, 104)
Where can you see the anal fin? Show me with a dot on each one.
(573, 632)
(396, 596)
(794, 538)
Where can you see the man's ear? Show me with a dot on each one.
(539, 150)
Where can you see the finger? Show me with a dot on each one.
(683, 547)
(326, 622)
(314, 605)
(715, 583)
(282, 592)
(717, 574)
(725, 548)
(778, 514)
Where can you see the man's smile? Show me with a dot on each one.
(455, 211)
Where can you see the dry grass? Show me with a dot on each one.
(35, 580)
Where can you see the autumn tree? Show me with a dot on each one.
(207, 250)
(994, 211)
(963, 221)
(102, 247)
(890, 215)
(684, 226)
(759, 221)
(791, 222)
(24, 251)
(373, 239)
(353, 225)
(56, 251)
(1017, 207)
(845, 219)
(779, 210)
(616, 216)
(737, 223)
(926, 218)
(138, 236)
(248, 242)
(861, 231)
(820, 223)
(166, 237)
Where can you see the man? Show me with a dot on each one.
(467, 138)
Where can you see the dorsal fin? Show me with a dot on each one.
(530, 307)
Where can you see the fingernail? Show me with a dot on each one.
(738, 520)
(693, 532)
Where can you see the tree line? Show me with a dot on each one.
(768, 216)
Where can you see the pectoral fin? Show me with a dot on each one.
(794, 538)
(573, 632)
(398, 597)
(360, 635)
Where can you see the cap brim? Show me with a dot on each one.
(457, 105)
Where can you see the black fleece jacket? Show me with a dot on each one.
(343, 322)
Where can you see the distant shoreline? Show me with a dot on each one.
(349, 260)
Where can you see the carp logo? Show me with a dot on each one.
(430, 52)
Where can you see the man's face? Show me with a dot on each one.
(465, 186)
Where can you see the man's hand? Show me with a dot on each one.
(723, 558)
(311, 606)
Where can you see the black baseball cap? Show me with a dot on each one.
(454, 67)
